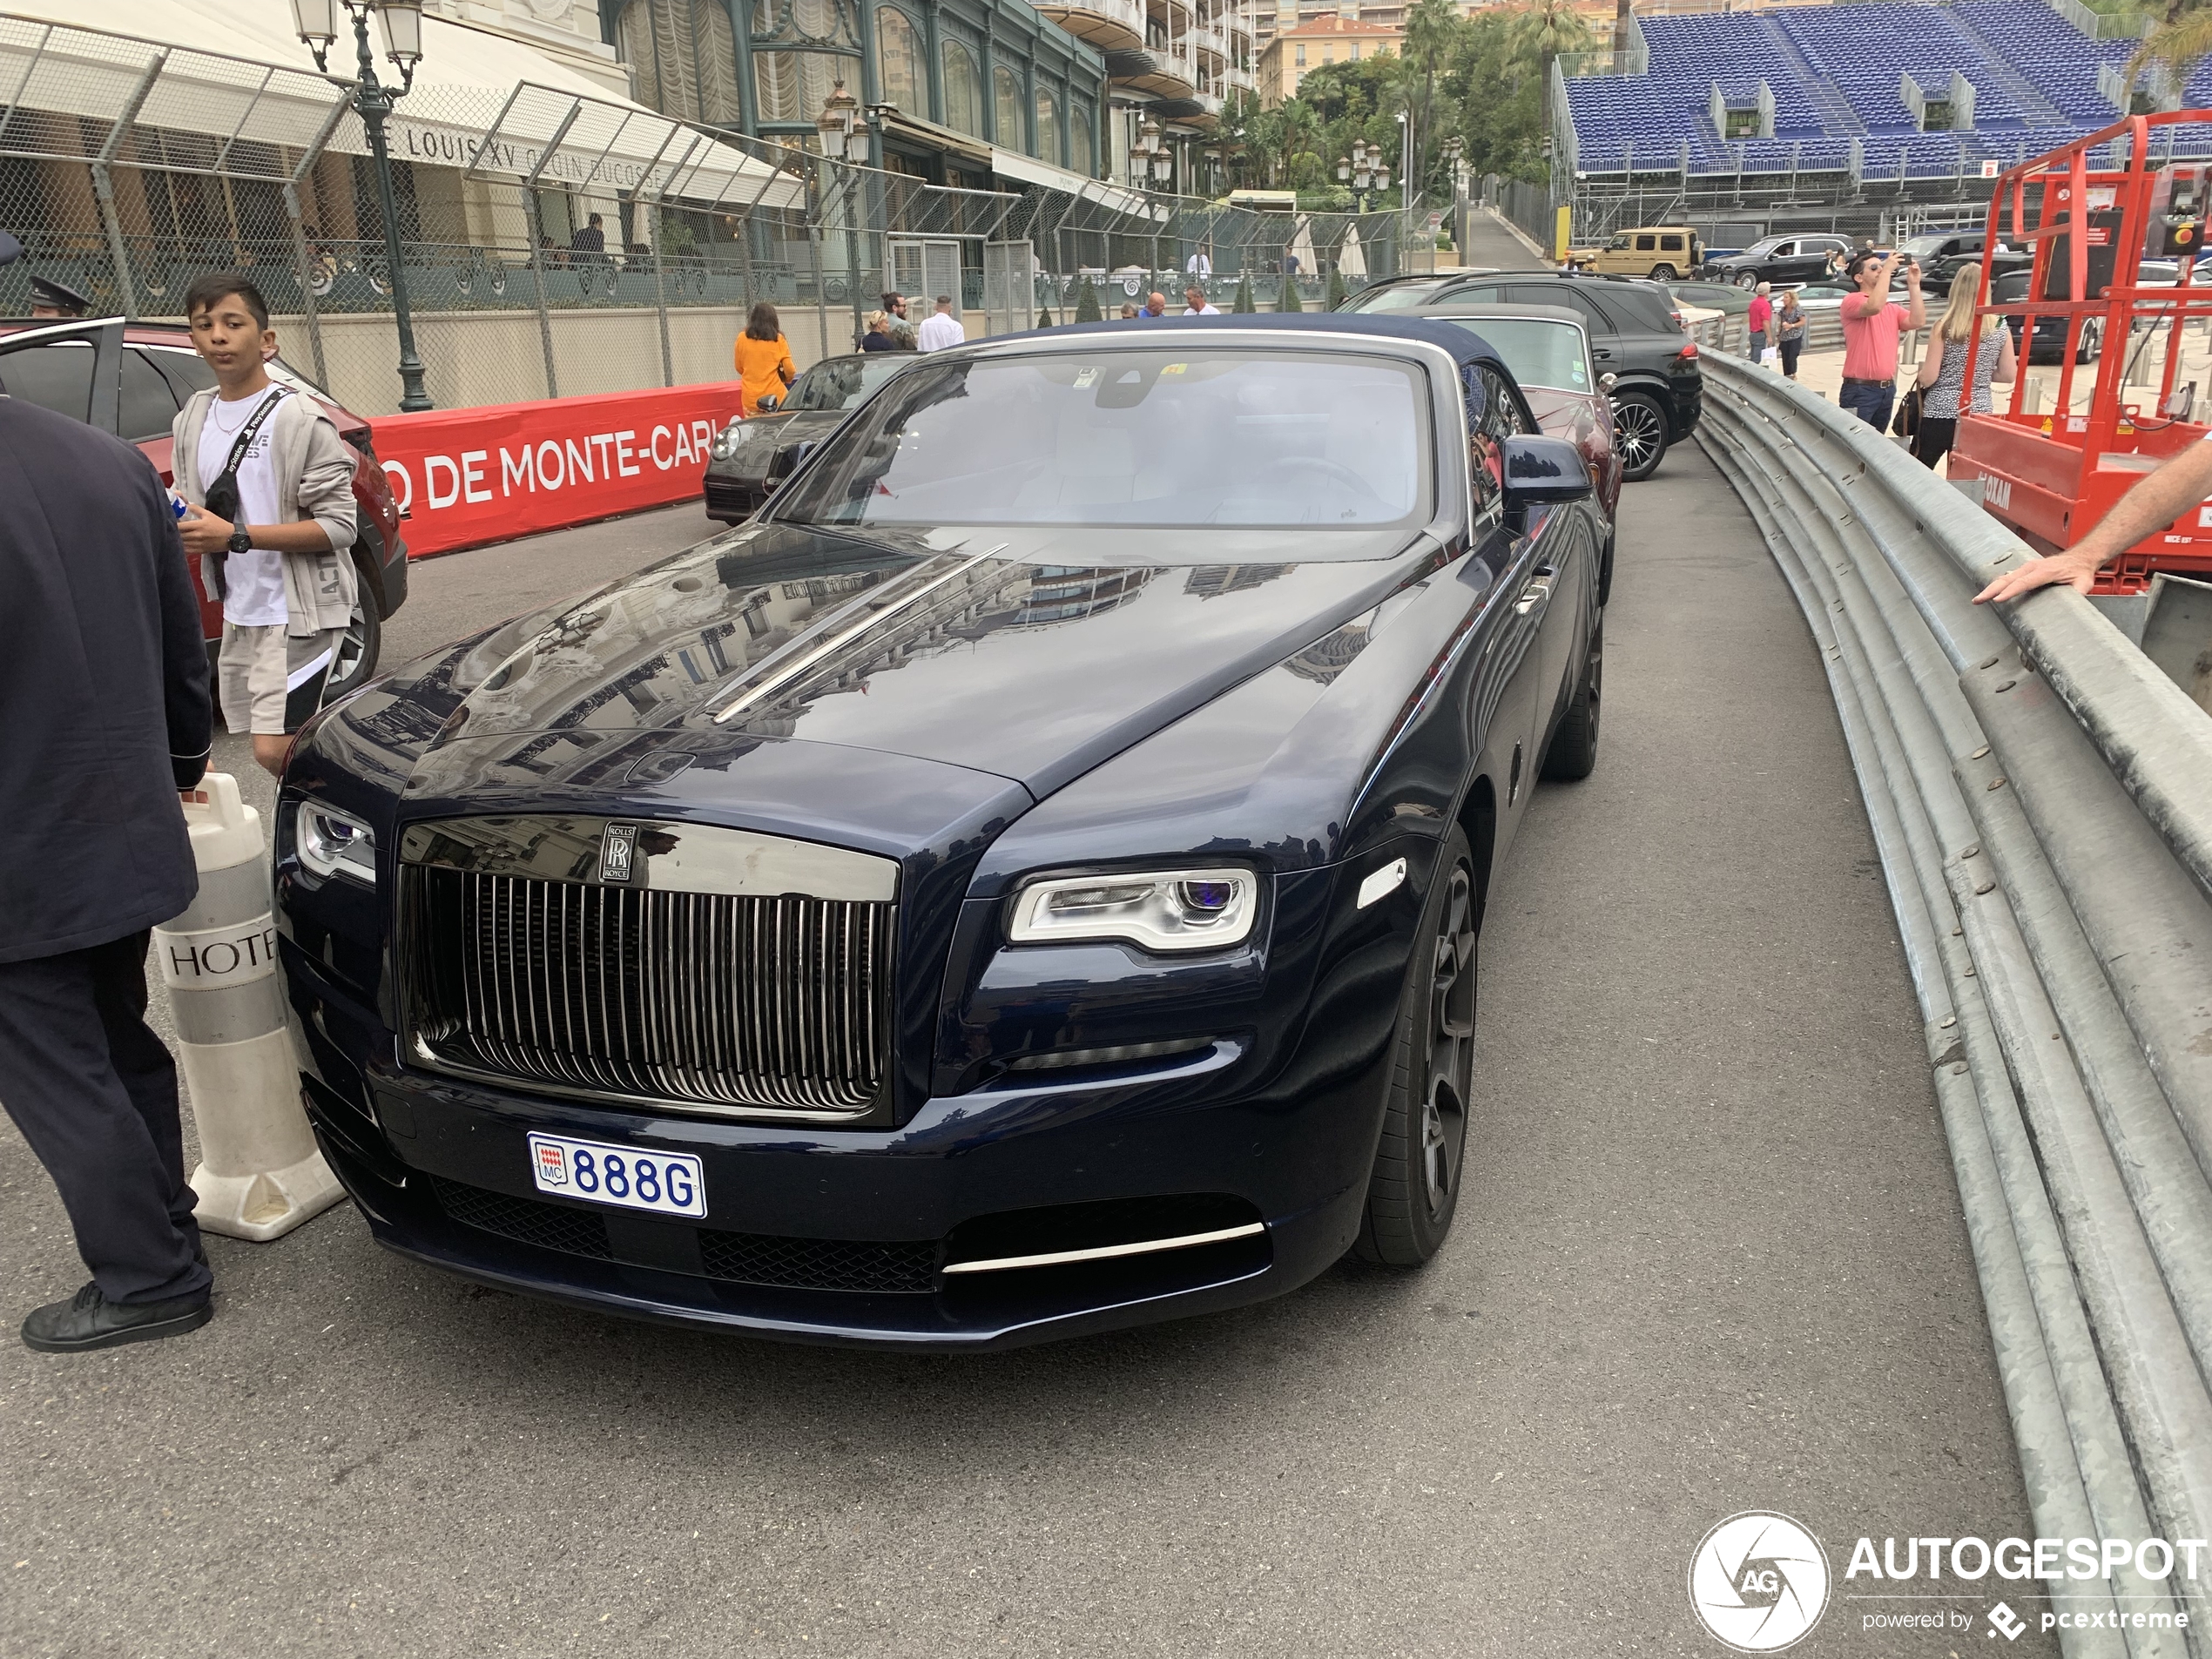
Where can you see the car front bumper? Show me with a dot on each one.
(823, 1234)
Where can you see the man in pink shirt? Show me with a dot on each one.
(1759, 320)
(1871, 320)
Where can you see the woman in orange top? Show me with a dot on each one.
(764, 357)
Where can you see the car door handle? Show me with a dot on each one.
(1535, 593)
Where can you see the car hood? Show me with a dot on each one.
(771, 432)
(1030, 653)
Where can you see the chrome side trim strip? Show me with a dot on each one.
(1000, 1263)
(793, 671)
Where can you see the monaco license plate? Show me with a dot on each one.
(667, 1184)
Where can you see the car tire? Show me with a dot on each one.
(357, 651)
(1414, 1191)
(1663, 274)
(2092, 344)
(1747, 278)
(1572, 755)
(1640, 433)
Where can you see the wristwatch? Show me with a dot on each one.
(241, 540)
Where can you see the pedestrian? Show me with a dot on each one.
(1128, 312)
(1195, 297)
(104, 674)
(1759, 320)
(903, 337)
(590, 241)
(52, 299)
(877, 336)
(1156, 307)
(940, 328)
(272, 519)
(1942, 377)
(1834, 270)
(1872, 321)
(1199, 265)
(765, 368)
(1789, 325)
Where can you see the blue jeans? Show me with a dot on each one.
(1871, 401)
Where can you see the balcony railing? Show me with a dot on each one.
(1112, 24)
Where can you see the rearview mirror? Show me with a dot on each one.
(770, 401)
(1543, 470)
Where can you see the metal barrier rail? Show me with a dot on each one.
(2041, 798)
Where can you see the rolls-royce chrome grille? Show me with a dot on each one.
(768, 1000)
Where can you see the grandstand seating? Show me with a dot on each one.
(1834, 71)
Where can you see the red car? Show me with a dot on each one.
(1548, 349)
(131, 378)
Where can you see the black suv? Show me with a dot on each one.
(1797, 257)
(1635, 335)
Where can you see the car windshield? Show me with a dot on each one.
(1619, 243)
(1540, 352)
(1760, 250)
(842, 381)
(1132, 436)
(1927, 247)
(1400, 296)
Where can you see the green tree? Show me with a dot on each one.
(1288, 300)
(1336, 289)
(2179, 40)
(1044, 317)
(1243, 300)
(1087, 303)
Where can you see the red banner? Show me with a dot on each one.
(464, 477)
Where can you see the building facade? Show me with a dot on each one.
(1332, 39)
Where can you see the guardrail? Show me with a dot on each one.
(2041, 798)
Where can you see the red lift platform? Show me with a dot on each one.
(2052, 475)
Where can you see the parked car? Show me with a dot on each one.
(1548, 349)
(995, 894)
(2011, 289)
(1408, 292)
(131, 378)
(1791, 258)
(1823, 296)
(750, 457)
(1942, 254)
(1723, 297)
(1636, 335)
(1660, 252)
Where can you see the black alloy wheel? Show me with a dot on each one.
(355, 661)
(1640, 433)
(1573, 753)
(1414, 1189)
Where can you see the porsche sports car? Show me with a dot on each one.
(1028, 880)
(1548, 347)
(749, 458)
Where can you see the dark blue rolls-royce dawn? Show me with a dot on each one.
(1025, 881)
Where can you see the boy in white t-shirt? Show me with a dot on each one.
(275, 542)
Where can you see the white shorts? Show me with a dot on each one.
(271, 682)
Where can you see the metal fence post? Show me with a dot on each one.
(537, 233)
(300, 255)
(103, 185)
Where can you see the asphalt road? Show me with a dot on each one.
(1710, 1260)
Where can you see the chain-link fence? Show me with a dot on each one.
(552, 244)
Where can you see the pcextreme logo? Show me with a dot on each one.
(1759, 1581)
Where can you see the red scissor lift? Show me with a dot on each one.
(2051, 475)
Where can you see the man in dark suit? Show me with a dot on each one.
(104, 676)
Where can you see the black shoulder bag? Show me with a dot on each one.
(221, 494)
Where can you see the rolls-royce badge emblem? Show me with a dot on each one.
(615, 848)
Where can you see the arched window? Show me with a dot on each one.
(898, 62)
(1047, 127)
(963, 90)
(791, 76)
(1005, 93)
(1079, 152)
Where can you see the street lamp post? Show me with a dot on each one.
(1364, 169)
(1152, 161)
(845, 133)
(317, 22)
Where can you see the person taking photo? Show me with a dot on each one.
(271, 516)
(1871, 323)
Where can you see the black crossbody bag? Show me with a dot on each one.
(222, 491)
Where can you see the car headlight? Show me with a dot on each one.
(727, 440)
(1156, 910)
(334, 843)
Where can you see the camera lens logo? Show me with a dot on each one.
(1759, 1581)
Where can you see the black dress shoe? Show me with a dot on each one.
(89, 1320)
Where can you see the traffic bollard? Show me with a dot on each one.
(260, 1174)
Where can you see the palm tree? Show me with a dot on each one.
(1430, 27)
(1622, 14)
(1547, 29)
(2182, 37)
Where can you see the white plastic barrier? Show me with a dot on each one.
(260, 1174)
